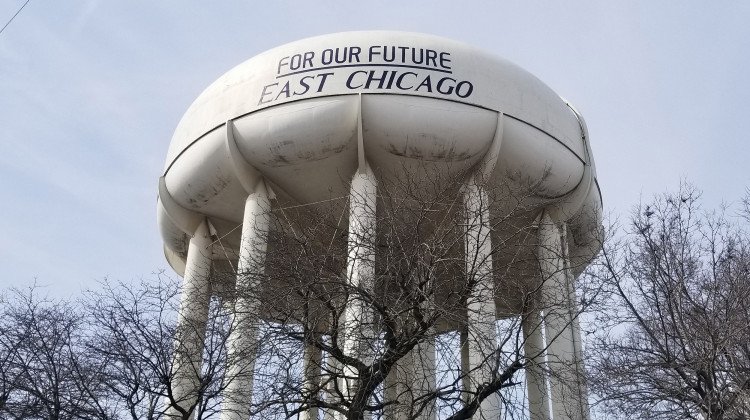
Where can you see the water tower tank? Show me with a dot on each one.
(338, 115)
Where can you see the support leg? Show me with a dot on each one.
(481, 313)
(191, 325)
(244, 334)
(360, 335)
(423, 377)
(565, 362)
(333, 370)
(396, 391)
(311, 380)
(465, 367)
(536, 375)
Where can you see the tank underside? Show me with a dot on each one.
(308, 151)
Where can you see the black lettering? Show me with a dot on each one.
(284, 90)
(296, 62)
(371, 77)
(403, 53)
(304, 84)
(327, 57)
(374, 52)
(401, 79)
(340, 59)
(445, 60)
(449, 89)
(467, 91)
(266, 93)
(426, 83)
(390, 80)
(354, 54)
(323, 77)
(351, 77)
(414, 56)
(393, 54)
(307, 60)
(283, 62)
(430, 57)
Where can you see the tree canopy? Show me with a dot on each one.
(672, 340)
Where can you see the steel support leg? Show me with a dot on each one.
(244, 334)
(568, 394)
(536, 370)
(359, 334)
(191, 324)
(481, 313)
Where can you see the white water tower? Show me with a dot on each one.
(365, 106)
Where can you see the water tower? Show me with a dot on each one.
(337, 116)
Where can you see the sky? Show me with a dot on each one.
(91, 92)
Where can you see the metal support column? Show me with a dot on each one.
(191, 323)
(311, 379)
(568, 394)
(359, 333)
(481, 313)
(536, 370)
(423, 376)
(244, 334)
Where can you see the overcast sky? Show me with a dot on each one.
(91, 91)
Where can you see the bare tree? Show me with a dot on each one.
(133, 331)
(44, 370)
(674, 341)
(317, 355)
(415, 337)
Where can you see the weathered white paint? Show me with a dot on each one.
(481, 312)
(536, 371)
(569, 400)
(309, 114)
(244, 332)
(359, 333)
(311, 369)
(191, 323)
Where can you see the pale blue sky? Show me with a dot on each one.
(90, 92)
